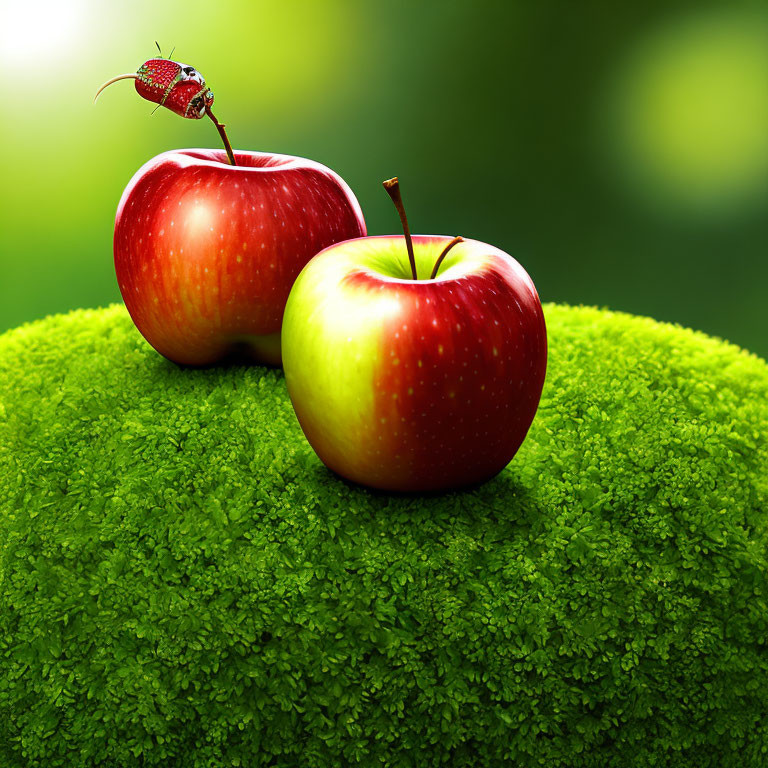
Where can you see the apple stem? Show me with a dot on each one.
(223, 134)
(456, 240)
(393, 190)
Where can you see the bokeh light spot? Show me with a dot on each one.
(35, 33)
(691, 113)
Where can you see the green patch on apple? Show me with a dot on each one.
(184, 583)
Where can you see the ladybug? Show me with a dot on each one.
(170, 84)
(177, 87)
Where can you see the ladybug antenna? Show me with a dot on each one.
(161, 53)
(131, 76)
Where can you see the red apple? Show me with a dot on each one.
(410, 384)
(206, 252)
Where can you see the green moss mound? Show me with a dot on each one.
(183, 584)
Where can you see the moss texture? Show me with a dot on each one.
(183, 584)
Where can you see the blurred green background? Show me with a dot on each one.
(618, 151)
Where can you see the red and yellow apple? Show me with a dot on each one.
(206, 252)
(409, 384)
